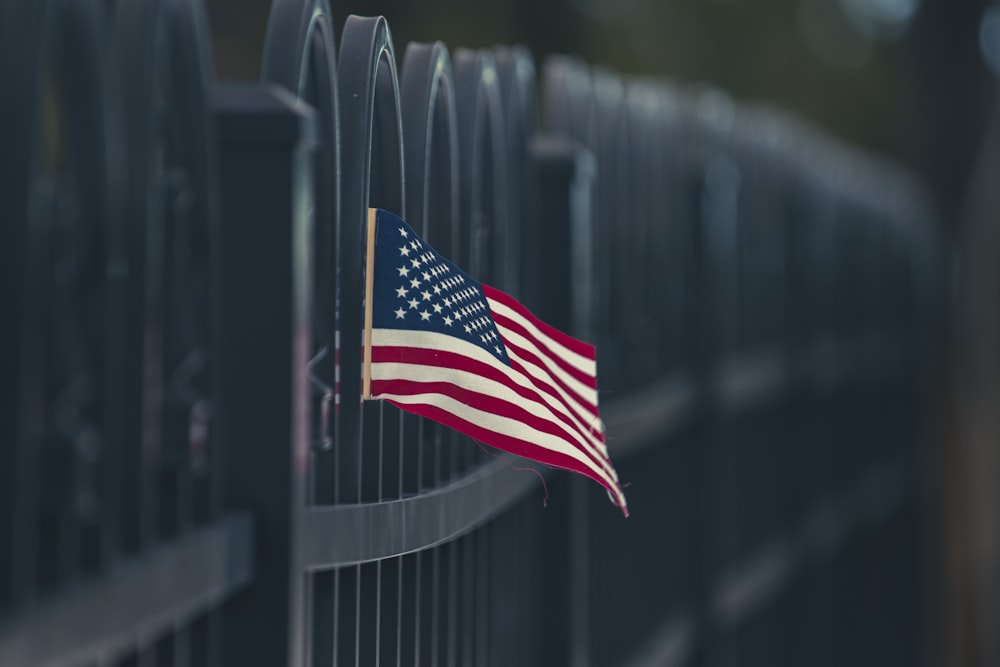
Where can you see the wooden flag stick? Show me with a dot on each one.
(366, 377)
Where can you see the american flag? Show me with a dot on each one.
(441, 345)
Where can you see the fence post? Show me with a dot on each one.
(564, 297)
(266, 138)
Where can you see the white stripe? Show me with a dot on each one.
(576, 360)
(430, 340)
(585, 416)
(503, 425)
(487, 387)
(583, 392)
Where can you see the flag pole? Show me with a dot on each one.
(366, 376)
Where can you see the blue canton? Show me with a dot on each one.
(418, 289)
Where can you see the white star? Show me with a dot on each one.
(403, 271)
(483, 339)
(402, 232)
(424, 316)
(414, 245)
(414, 303)
(415, 283)
(404, 251)
(426, 275)
(458, 315)
(447, 302)
(426, 295)
(400, 313)
(437, 308)
(468, 329)
(497, 348)
(448, 320)
(415, 263)
(437, 288)
(401, 292)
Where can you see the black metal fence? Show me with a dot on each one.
(188, 475)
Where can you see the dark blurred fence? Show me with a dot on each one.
(188, 475)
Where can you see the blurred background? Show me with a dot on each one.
(907, 78)
(911, 80)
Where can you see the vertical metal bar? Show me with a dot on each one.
(579, 574)
(336, 617)
(482, 616)
(451, 633)
(436, 606)
(378, 613)
(357, 612)
(417, 609)
(381, 457)
(468, 614)
(399, 607)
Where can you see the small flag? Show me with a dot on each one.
(466, 355)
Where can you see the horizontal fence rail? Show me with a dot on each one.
(189, 475)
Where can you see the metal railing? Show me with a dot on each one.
(189, 476)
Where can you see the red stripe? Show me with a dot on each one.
(457, 360)
(586, 379)
(532, 357)
(436, 358)
(583, 349)
(504, 442)
(491, 404)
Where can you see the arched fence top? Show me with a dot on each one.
(299, 40)
(516, 72)
(483, 222)
(570, 104)
(430, 131)
(368, 88)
